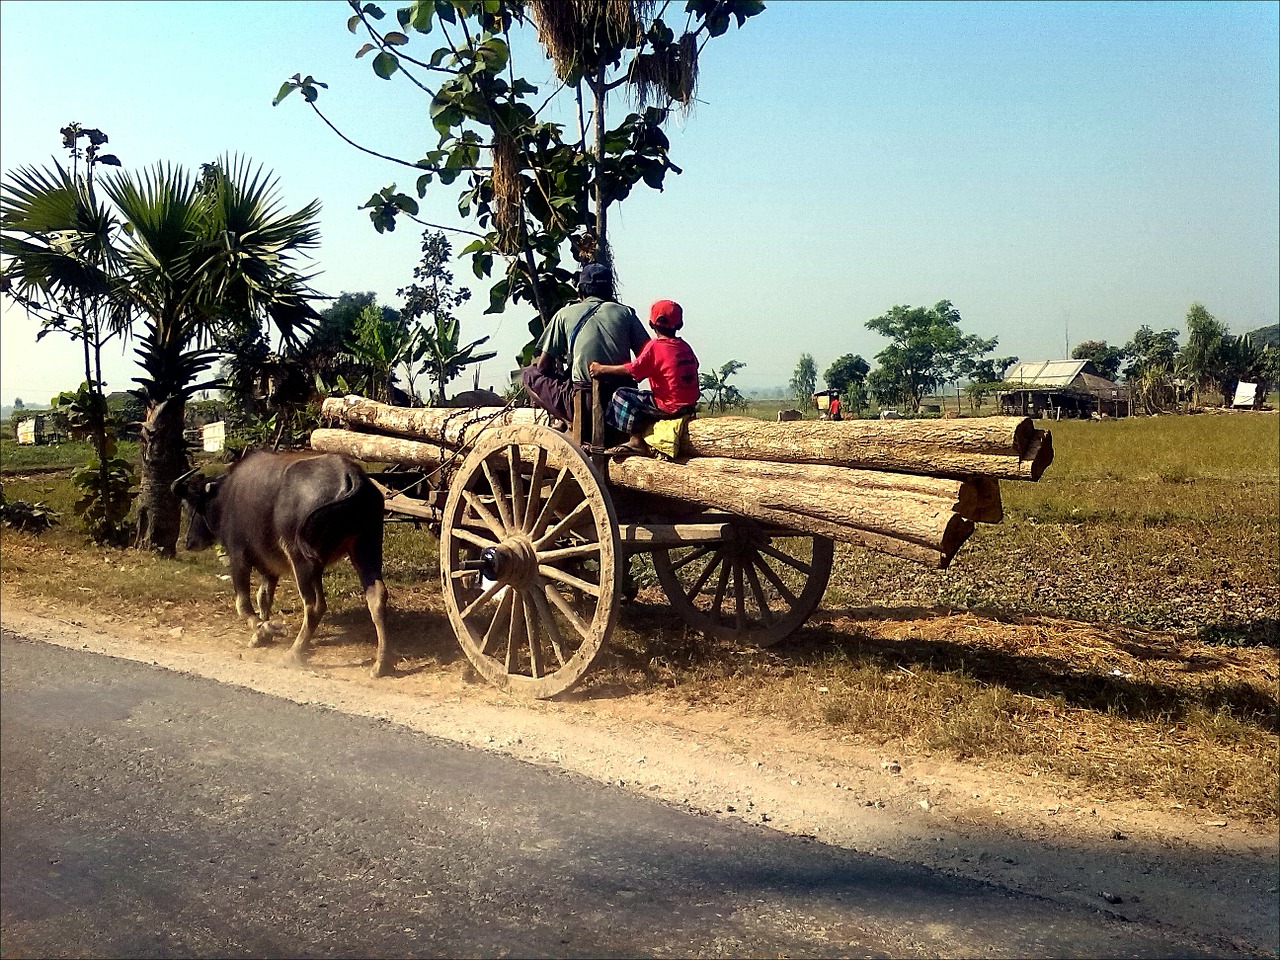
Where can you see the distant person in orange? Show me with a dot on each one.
(671, 368)
(833, 411)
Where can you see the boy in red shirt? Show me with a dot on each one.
(671, 368)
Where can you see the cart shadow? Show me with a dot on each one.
(657, 650)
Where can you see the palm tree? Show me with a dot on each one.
(204, 258)
(723, 394)
(199, 261)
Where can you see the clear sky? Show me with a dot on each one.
(1057, 171)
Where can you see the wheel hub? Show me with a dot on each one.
(514, 561)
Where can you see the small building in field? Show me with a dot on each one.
(213, 436)
(33, 430)
(1062, 388)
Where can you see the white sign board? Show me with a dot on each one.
(1245, 393)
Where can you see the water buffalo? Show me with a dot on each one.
(281, 513)
(787, 416)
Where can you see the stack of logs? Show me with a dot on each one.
(910, 488)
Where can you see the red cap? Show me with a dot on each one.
(666, 314)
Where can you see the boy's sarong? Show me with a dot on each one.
(631, 410)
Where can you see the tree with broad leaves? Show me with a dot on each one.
(1105, 359)
(721, 394)
(848, 374)
(199, 259)
(926, 352)
(539, 193)
(1153, 358)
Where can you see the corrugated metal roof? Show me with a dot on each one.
(1047, 373)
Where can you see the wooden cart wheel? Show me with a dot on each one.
(529, 560)
(757, 587)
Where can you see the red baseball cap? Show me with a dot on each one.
(666, 314)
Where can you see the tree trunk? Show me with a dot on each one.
(163, 461)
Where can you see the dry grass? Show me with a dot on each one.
(1117, 632)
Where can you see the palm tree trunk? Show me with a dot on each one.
(163, 461)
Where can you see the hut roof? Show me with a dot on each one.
(1046, 373)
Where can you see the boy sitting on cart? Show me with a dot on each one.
(671, 368)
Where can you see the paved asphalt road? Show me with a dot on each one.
(151, 814)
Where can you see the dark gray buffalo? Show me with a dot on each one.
(281, 513)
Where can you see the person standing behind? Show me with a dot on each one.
(597, 328)
(671, 368)
(833, 412)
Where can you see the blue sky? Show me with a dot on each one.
(1058, 171)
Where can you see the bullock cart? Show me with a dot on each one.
(537, 527)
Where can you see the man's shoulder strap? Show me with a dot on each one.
(581, 322)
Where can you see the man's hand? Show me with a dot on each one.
(595, 367)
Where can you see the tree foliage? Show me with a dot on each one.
(926, 351)
(1152, 359)
(188, 265)
(1105, 359)
(848, 374)
(804, 381)
(540, 193)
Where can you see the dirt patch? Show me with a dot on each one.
(1184, 869)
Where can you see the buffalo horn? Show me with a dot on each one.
(175, 487)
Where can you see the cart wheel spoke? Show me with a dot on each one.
(488, 519)
(776, 580)
(703, 577)
(739, 595)
(569, 580)
(535, 489)
(466, 536)
(518, 504)
(514, 634)
(566, 523)
(757, 591)
(500, 618)
(789, 560)
(531, 632)
(481, 600)
(550, 625)
(499, 495)
(697, 553)
(562, 483)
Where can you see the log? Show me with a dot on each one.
(1001, 447)
(443, 425)
(1006, 447)
(975, 498)
(923, 529)
(375, 448)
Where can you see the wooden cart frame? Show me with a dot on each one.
(535, 546)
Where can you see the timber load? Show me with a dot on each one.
(909, 488)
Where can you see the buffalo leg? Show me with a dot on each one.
(366, 557)
(309, 576)
(266, 599)
(240, 581)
